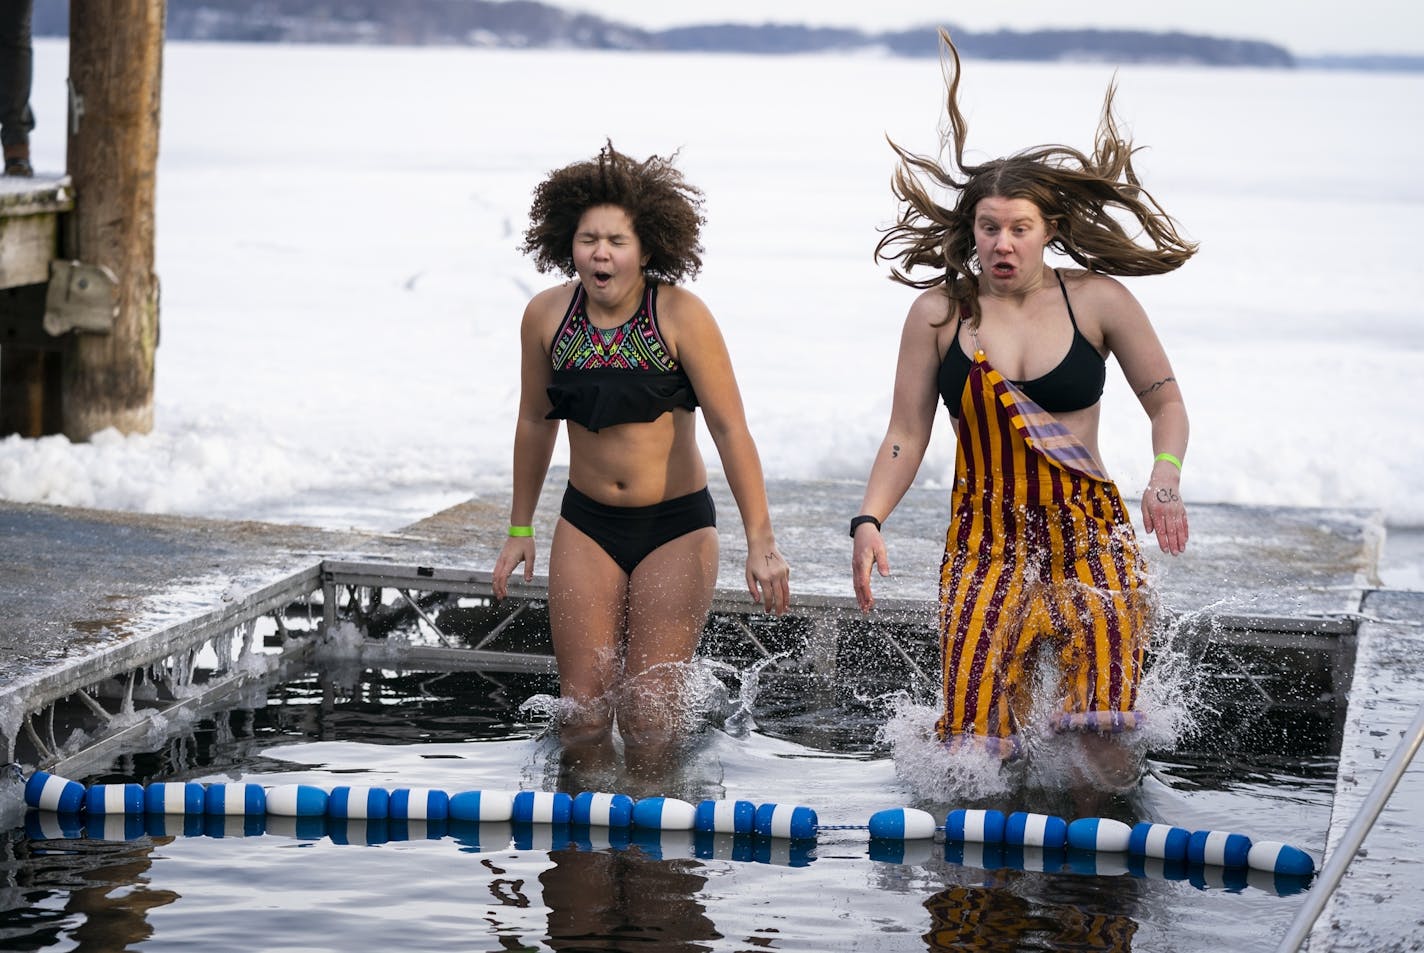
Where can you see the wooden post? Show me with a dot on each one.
(115, 75)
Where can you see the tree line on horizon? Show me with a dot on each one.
(526, 24)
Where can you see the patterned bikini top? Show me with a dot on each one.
(623, 375)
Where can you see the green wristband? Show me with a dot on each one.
(1170, 458)
(521, 531)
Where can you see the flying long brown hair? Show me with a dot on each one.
(1077, 195)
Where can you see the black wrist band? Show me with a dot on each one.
(856, 521)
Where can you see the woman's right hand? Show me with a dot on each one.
(517, 549)
(869, 550)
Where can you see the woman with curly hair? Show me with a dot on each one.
(1040, 558)
(625, 356)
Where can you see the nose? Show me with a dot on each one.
(1001, 242)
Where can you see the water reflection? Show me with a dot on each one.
(1030, 905)
(91, 892)
(993, 916)
(568, 887)
(614, 900)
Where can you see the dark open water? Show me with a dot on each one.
(1266, 771)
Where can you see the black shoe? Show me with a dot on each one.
(19, 167)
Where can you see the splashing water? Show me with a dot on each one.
(686, 695)
(1170, 697)
(739, 721)
(548, 708)
(932, 772)
(1172, 693)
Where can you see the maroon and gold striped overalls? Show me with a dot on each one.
(1040, 555)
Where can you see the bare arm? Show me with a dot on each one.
(912, 414)
(1129, 334)
(703, 354)
(534, 439)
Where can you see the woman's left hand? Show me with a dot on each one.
(769, 579)
(1164, 514)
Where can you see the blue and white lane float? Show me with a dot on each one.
(359, 803)
(419, 804)
(1219, 849)
(178, 797)
(541, 807)
(664, 813)
(978, 826)
(1020, 832)
(1027, 829)
(235, 799)
(902, 835)
(297, 800)
(1099, 834)
(50, 792)
(725, 817)
(1278, 858)
(599, 809)
(481, 806)
(114, 799)
(785, 821)
(902, 823)
(1159, 840)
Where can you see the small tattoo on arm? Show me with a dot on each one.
(1157, 386)
(894, 450)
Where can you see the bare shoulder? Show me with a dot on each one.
(929, 315)
(678, 306)
(683, 316)
(548, 306)
(1095, 290)
(1101, 304)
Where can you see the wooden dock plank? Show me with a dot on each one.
(29, 227)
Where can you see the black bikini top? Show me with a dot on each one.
(623, 375)
(1077, 382)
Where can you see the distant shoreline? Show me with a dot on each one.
(486, 24)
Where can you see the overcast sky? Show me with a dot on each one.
(1305, 27)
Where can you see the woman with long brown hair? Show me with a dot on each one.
(1040, 558)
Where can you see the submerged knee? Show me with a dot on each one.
(644, 729)
(583, 725)
(1110, 761)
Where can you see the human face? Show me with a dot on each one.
(1009, 236)
(608, 257)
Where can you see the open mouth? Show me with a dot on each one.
(1002, 269)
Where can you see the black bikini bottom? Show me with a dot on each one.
(629, 533)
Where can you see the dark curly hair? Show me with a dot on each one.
(1077, 195)
(666, 212)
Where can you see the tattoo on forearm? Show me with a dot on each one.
(1157, 386)
(894, 450)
